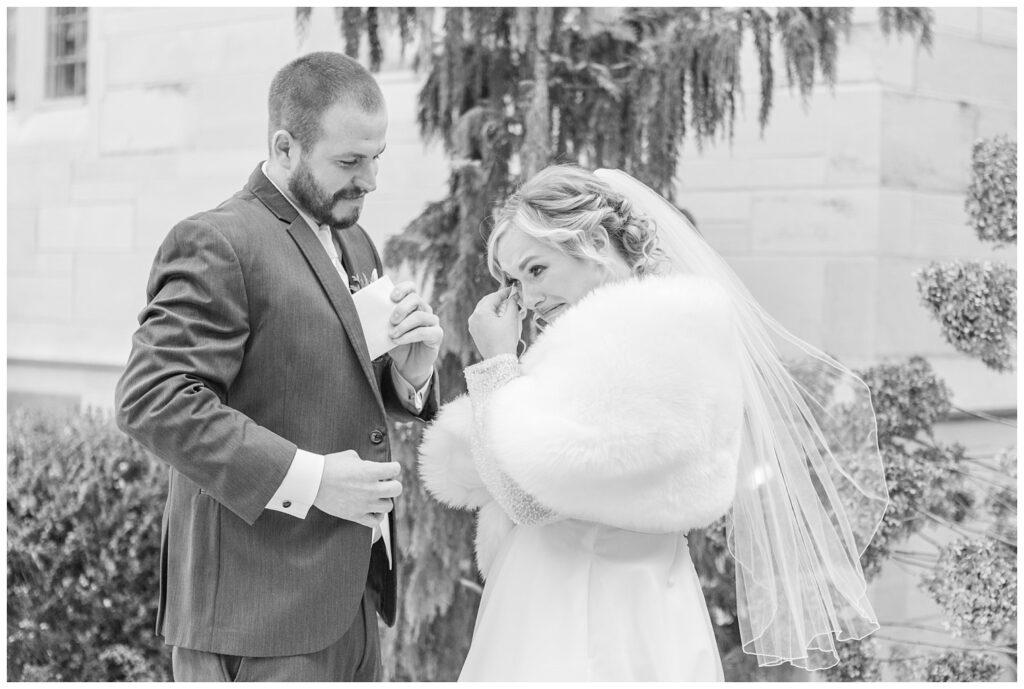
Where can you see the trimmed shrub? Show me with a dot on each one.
(952, 666)
(975, 583)
(908, 399)
(84, 504)
(858, 662)
(992, 195)
(976, 305)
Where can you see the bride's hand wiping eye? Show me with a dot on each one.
(497, 323)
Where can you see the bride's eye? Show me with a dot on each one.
(535, 271)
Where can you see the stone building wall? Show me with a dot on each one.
(825, 217)
(829, 214)
(173, 122)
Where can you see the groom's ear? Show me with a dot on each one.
(284, 149)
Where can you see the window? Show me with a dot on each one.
(65, 55)
(11, 52)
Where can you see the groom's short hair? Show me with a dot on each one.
(305, 87)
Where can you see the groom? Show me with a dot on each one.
(249, 375)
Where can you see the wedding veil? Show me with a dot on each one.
(811, 489)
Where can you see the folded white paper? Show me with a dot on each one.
(374, 305)
(382, 530)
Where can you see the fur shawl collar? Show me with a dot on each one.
(628, 412)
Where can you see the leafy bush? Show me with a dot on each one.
(992, 196)
(925, 479)
(908, 398)
(927, 485)
(975, 302)
(933, 484)
(953, 666)
(1001, 503)
(974, 578)
(976, 305)
(84, 505)
(975, 583)
(858, 662)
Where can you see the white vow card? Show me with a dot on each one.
(374, 305)
(382, 530)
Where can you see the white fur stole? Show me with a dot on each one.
(628, 413)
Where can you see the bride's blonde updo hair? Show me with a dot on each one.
(575, 211)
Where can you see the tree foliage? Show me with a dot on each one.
(438, 586)
(915, 21)
(612, 87)
(623, 87)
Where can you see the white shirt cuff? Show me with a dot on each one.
(298, 490)
(412, 399)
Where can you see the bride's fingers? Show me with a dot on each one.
(492, 300)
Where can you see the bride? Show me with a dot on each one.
(655, 400)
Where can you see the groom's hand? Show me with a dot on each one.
(359, 491)
(417, 332)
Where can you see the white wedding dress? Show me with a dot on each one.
(580, 601)
(588, 462)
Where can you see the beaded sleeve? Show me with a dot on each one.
(482, 380)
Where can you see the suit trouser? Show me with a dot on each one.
(355, 657)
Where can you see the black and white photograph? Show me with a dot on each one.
(494, 344)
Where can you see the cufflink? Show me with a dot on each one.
(286, 504)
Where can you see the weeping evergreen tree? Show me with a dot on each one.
(508, 91)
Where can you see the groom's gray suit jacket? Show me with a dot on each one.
(249, 347)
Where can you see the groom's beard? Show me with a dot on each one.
(316, 202)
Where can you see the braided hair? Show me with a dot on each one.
(575, 211)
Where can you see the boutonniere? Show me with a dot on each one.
(357, 282)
